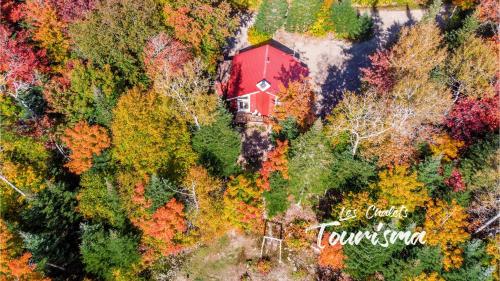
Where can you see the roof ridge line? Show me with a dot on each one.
(266, 54)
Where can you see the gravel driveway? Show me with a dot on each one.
(335, 64)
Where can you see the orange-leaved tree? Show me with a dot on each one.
(277, 161)
(446, 146)
(204, 25)
(48, 31)
(159, 227)
(84, 141)
(295, 101)
(12, 266)
(332, 255)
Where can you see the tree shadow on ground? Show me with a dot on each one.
(255, 145)
(346, 77)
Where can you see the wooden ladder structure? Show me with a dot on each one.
(273, 235)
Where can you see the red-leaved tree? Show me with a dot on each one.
(164, 54)
(379, 74)
(72, 10)
(10, 12)
(18, 60)
(455, 181)
(473, 118)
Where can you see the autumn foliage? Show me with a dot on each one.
(445, 224)
(159, 228)
(332, 255)
(488, 10)
(18, 60)
(243, 204)
(296, 101)
(12, 267)
(120, 162)
(164, 54)
(445, 146)
(165, 223)
(84, 141)
(207, 214)
(202, 24)
(455, 181)
(401, 188)
(276, 162)
(379, 75)
(48, 30)
(472, 118)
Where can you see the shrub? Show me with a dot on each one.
(255, 37)
(302, 14)
(271, 16)
(323, 23)
(347, 24)
(277, 197)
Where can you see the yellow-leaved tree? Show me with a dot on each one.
(445, 224)
(434, 276)
(400, 187)
(473, 67)
(243, 203)
(149, 134)
(207, 213)
(444, 145)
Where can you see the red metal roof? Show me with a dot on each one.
(271, 61)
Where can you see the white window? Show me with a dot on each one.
(263, 85)
(244, 104)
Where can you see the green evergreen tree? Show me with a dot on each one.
(349, 173)
(302, 14)
(159, 191)
(99, 200)
(51, 226)
(106, 253)
(347, 24)
(271, 16)
(289, 130)
(366, 259)
(310, 163)
(479, 163)
(218, 146)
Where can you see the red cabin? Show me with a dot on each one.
(257, 73)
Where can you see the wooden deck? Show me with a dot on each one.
(243, 118)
